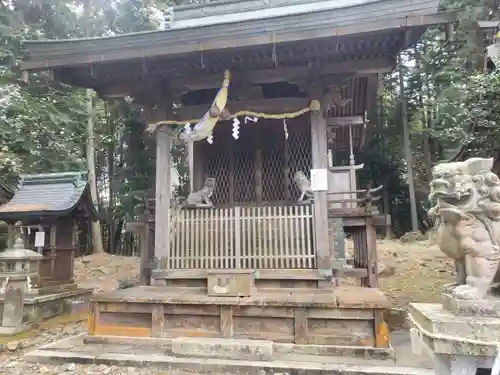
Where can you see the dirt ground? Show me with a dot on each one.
(420, 271)
(412, 272)
(103, 272)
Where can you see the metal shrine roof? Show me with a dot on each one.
(238, 24)
(53, 194)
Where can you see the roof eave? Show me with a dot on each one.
(253, 38)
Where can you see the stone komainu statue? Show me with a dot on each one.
(466, 198)
(201, 198)
(302, 182)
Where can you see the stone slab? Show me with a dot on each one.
(73, 350)
(489, 307)
(11, 331)
(386, 354)
(446, 333)
(259, 350)
(31, 299)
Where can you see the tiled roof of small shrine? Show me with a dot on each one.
(46, 194)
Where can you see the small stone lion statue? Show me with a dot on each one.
(302, 182)
(466, 198)
(202, 197)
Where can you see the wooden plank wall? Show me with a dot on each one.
(243, 237)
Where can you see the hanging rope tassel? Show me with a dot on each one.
(285, 128)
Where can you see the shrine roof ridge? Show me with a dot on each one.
(51, 194)
(228, 11)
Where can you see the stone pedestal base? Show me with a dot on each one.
(11, 331)
(461, 335)
(41, 307)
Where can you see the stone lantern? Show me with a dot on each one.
(18, 273)
(19, 266)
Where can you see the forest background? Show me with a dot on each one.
(453, 109)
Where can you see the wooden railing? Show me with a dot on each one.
(242, 237)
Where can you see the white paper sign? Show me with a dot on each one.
(39, 239)
(319, 179)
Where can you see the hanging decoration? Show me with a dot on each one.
(210, 138)
(285, 128)
(314, 105)
(205, 126)
(236, 128)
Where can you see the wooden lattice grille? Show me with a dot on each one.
(353, 90)
(258, 168)
(243, 237)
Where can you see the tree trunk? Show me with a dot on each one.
(110, 114)
(96, 225)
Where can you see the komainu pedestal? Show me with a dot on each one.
(460, 334)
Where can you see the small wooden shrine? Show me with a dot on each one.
(45, 212)
(257, 249)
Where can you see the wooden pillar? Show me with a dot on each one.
(190, 152)
(162, 195)
(199, 166)
(53, 251)
(10, 235)
(320, 208)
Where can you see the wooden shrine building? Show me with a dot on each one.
(53, 205)
(244, 258)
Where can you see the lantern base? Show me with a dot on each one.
(37, 308)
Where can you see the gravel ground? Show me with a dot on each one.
(12, 363)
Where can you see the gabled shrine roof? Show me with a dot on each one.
(236, 24)
(54, 194)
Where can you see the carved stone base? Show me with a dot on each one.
(231, 283)
(487, 307)
(459, 343)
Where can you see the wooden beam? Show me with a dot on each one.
(262, 76)
(254, 77)
(345, 121)
(276, 105)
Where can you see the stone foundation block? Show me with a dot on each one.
(487, 307)
(261, 350)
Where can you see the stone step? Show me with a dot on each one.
(74, 350)
(219, 365)
(260, 350)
